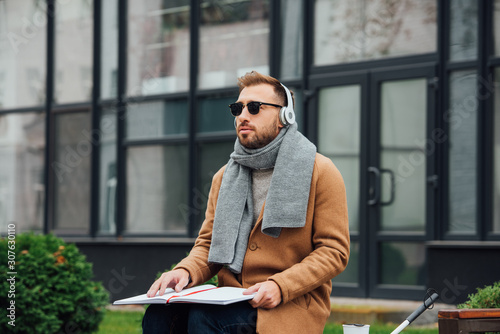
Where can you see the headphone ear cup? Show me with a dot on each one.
(289, 116)
(283, 116)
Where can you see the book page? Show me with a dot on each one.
(169, 293)
(219, 296)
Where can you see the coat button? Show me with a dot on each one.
(253, 246)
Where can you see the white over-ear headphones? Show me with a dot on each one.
(287, 114)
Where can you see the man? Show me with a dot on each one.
(276, 224)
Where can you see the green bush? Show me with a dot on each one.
(487, 297)
(53, 291)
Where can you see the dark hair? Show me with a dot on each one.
(255, 78)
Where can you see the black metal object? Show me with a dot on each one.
(426, 305)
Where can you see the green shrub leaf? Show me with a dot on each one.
(487, 297)
(54, 291)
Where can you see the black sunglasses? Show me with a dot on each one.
(253, 107)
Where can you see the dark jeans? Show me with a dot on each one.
(237, 318)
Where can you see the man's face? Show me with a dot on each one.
(256, 131)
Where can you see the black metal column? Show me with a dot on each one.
(47, 214)
(192, 109)
(120, 121)
(95, 121)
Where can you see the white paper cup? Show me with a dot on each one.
(356, 329)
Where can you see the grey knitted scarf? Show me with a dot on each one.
(292, 155)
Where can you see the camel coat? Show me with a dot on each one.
(302, 261)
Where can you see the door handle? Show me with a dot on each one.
(393, 186)
(376, 192)
(377, 186)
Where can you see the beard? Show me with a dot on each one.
(259, 138)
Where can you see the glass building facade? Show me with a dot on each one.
(113, 117)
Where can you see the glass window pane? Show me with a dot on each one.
(71, 170)
(22, 156)
(234, 39)
(157, 186)
(496, 155)
(351, 272)
(292, 39)
(496, 27)
(462, 155)
(158, 47)
(23, 43)
(403, 133)
(211, 157)
(404, 106)
(214, 114)
(347, 30)
(407, 211)
(339, 139)
(298, 97)
(156, 119)
(107, 169)
(402, 263)
(463, 29)
(109, 49)
(74, 44)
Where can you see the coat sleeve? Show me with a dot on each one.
(196, 263)
(330, 235)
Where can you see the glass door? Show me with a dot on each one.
(401, 181)
(374, 127)
(338, 125)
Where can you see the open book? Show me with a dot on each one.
(202, 294)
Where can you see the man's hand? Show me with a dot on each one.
(176, 279)
(268, 294)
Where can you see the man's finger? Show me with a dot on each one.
(181, 285)
(154, 287)
(164, 286)
(268, 295)
(252, 289)
(256, 301)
